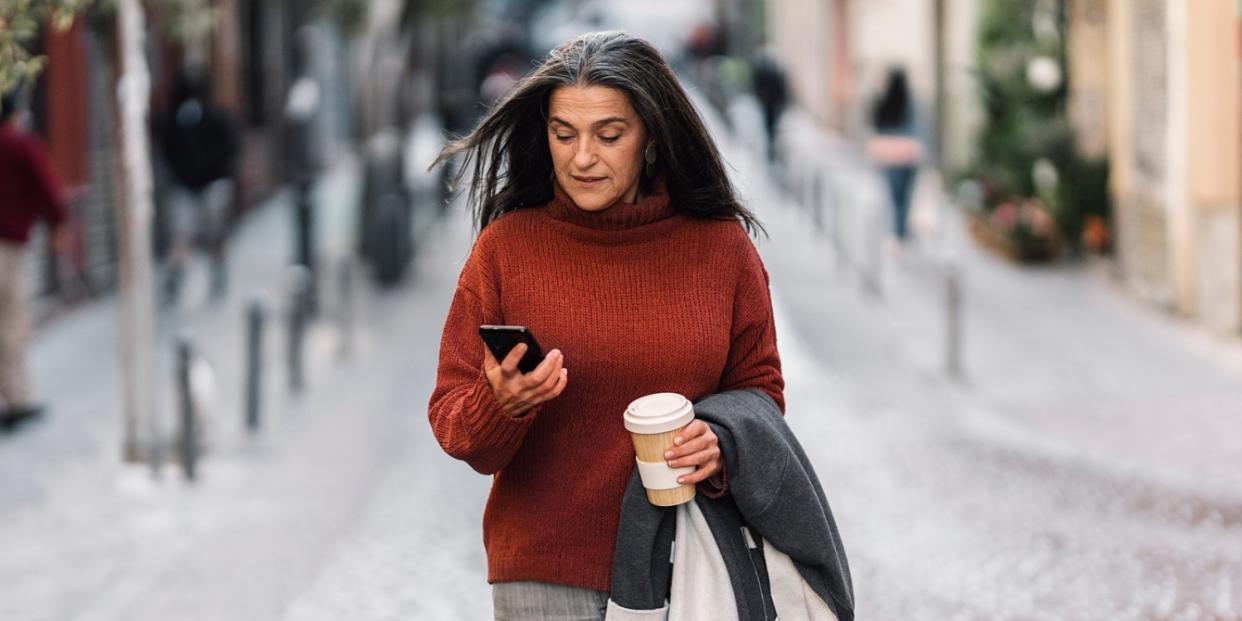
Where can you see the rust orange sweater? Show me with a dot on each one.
(640, 300)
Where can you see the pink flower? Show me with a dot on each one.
(1036, 217)
(1004, 217)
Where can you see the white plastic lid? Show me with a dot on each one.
(658, 413)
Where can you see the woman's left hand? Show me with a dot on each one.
(696, 445)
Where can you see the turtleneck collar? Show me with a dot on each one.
(621, 216)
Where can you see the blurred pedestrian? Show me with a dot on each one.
(200, 144)
(608, 227)
(896, 147)
(502, 63)
(772, 91)
(30, 190)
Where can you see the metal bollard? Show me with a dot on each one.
(817, 189)
(187, 433)
(839, 197)
(953, 321)
(806, 186)
(345, 299)
(304, 255)
(299, 279)
(874, 262)
(256, 317)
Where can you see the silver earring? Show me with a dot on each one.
(649, 155)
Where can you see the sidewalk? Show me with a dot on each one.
(1057, 359)
(85, 531)
(75, 361)
(88, 537)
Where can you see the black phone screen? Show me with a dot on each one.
(501, 339)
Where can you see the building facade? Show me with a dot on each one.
(73, 107)
(812, 40)
(838, 53)
(1157, 85)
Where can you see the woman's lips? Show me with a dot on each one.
(588, 182)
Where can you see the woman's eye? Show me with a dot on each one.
(610, 138)
(564, 138)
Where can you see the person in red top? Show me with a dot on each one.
(30, 190)
(608, 227)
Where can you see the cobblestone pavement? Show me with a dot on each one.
(948, 513)
(945, 518)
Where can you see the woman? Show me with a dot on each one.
(609, 228)
(895, 147)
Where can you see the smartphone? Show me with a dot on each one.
(501, 339)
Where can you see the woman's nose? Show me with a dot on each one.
(584, 156)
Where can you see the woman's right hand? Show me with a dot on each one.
(516, 392)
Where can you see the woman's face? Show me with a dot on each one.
(597, 143)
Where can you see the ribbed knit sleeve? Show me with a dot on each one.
(465, 418)
(753, 361)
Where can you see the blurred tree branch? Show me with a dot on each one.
(21, 21)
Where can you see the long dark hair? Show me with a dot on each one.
(508, 152)
(893, 108)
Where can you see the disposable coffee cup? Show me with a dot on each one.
(653, 422)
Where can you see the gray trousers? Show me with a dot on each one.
(540, 601)
(14, 326)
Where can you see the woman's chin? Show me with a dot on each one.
(591, 201)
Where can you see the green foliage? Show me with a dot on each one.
(1025, 124)
(1022, 124)
(187, 20)
(349, 16)
(20, 22)
(1083, 192)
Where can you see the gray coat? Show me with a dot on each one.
(773, 491)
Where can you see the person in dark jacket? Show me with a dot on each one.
(30, 190)
(200, 145)
(772, 92)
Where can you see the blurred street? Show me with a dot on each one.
(1007, 426)
(990, 498)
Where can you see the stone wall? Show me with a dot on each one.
(1142, 218)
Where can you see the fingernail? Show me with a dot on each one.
(681, 480)
(668, 454)
(679, 441)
